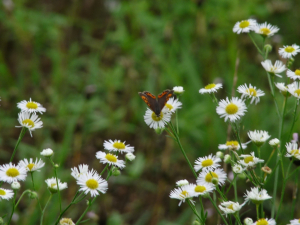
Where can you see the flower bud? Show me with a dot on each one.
(220, 155)
(15, 185)
(159, 131)
(56, 165)
(116, 172)
(266, 169)
(248, 221)
(268, 48)
(227, 158)
(274, 142)
(47, 152)
(290, 62)
(129, 156)
(33, 195)
(181, 183)
(178, 90)
(242, 176)
(215, 181)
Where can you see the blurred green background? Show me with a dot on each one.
(85, 61)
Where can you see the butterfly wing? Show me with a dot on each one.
(150, 100)
(163, 98)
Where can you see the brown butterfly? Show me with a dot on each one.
(156, 104)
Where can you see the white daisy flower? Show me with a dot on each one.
(82, 169)
(278, 67)
(154, 121)
(295, 222)
(294, 89)
(10, 173)
(52, 185)
(259, 137)
(91, 182)
(210, 88)
(181, 183)
(30, 121)
(129, 156)
(181, 193)
(200, 189)
(257, 196)
(249, 161)
(282, 88)
(118, 146)
(232, 145)
(6, 194)
(209, 162)
(47, 152)
(66, 221)
(288, 51)
(292, 149)
(31, 107)
(31, 166)
(265, 29)
(293, 75)
(178, 90)
(230, 207)
(231, 109)
(244, 26)
(274, 142)
(172, 105)
(216, 176)
(237, 168)
(111, 159)
(265, 222)
(250, 92)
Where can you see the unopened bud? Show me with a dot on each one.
(290, 62)
(266, 169)
(15, 185)
(116, 173)
(242, 176)
(220, 155)
(129, 156)
(56, 165)
(178, 90)
(33, 195)
(215, 181)
(274, 142)
(181, 183)
(66, 221)
(159, 130)
(227, 158)
(248, 221)
(268, 48)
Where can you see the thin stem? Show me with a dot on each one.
(31, 173)
(257, 211)
(216, 207)
(294, 197)
(43, 212)
(24, 192)
(294, 117)
(104, 169)
(177, 129)
(13, 207)
(235, 128)
(194, 210)
(86, 210)
(59, 197)
(234, 188)
(23, 131)
(272, 93)
(258, 49)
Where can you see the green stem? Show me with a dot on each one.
(234, 188)
(235, 128)
(194, 210)
(24, 192)
(272, 93)
(177, 129)
(257, 211)
(59, 197)
(13, 207)
(216, 207)
(86, 210)
(23, 131)
(104, 170)
(258, 49)
(294, 197)
(294, 117)
(43, 212)
(31, 173)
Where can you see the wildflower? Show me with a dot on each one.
(292, 150)
(274, 142)
(10, 173)
(231, 109)
(250, 161)
(15, 185)
(66, 221)
(283, 89)
(206, 176)
(210, 88)
(295, 222)
(91, 182)
(31, 107)
(118, 146)
(181, 193)
(288, 51)
(30, 165)
(232, 145)
(293, 75)
(129, 156)
(258, 137)
(172, 105)
(178, 90)
(257, 196)
(200, 189)
(244, 26)
(265, 29)
(111, 159)
(31, 122)
(6, 194)
(154, 121)
(294, 89)
(47, 152)
(209, 162)
(52, 185)
(230, 207)
(278, 67)
(82, 169)
(237, 168)
(264, 221)
(251, 92)
(181, 183)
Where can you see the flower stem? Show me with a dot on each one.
(24, 192)
(23, 131)
(31, 173)
(13, 207)
(257, 211)
(85, 211)
(216, 207)
(194, 210)
(294, 197)
(258, 49)
(43, 212)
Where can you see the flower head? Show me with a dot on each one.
(244, 26)
(232, 145)
(288, 51)
(293, 74)
(282, 88)
(110, 159)
(181, 183)
(292, 149)
(264, 221)
(210, 88)
(178, 90)
(31, 107)
(257, 196)
(237, 168)
(47, 152)
(118, 146)
(295, 222)
(31, 122)
(231, 109)
(274, 142)
(230, 207)
(250, 92)
(265, 29)
(214, 176)
(209, 162)
(181, 193)
(250, 161)
(30, 165)
(172, 105)
(66, 221)
(258, 137)
(6, 194)
(154, 121)
(278, 67)
(294, 89)
(82, 169)
(10, 173)
(52, 185)
(200, 189)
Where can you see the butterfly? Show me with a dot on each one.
(156, 104)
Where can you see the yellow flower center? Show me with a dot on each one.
(297, 72)
(2, 192)
(295, 152)
(231, 108)
(157, 118)
(184, 193)
(210, 86)
(53, 185)
(251, 91)
(262, 222)
(169, 106)
(200, 188)
(265, 31)
(289, 49)
(12, 172)
(28, 122)
(119, 145)
(111, 158)
(230, 207)
(92, 184)
(230, 143)
(297, 91)
(244, 24)
(31, 105)
(299, 220)
(207, 162)
(30, 166)
(209, 176)
(66, 221)
(248, 159)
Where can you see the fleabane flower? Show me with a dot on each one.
(238, 168)
(47, 152)
(295, 222)
(231, 109)
(6, 194)
(282, 88)
(118, 146)
(257, 196)
(52, 185)
(181, 193)
(200, 189)
(258, 137)
(232, 145)
(264, 221)
(294, 89)
(293, 74)
(30, 121)
(31, 107)
(214, 176)
(178, 90)
(288, 51)
(244, 26)
(66, 221)
(210, 88)
(154, 121)
(249, 161)
(230, 207)
(30, 165)
(250, 92)
(209, 162)
(274, 142)
(91, 182)
(292, 150)
(77, 172)
(181, 183)
(10, 173)
(265, 29)
(110, 159)
(172, 105)
(275, 69)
